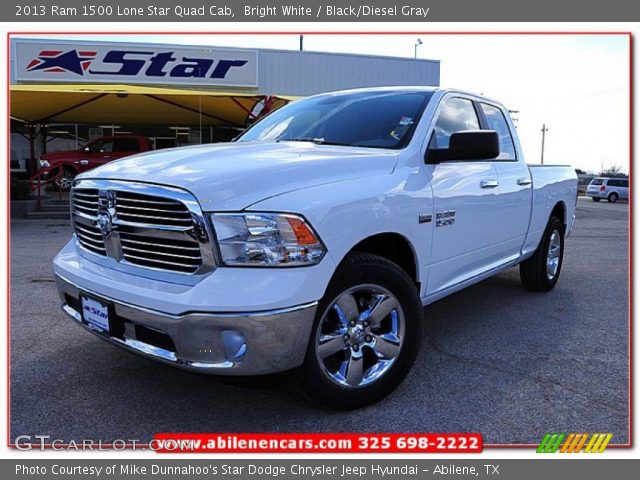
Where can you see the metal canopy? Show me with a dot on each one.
(138, 105)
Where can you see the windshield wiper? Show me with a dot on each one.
(316, 140)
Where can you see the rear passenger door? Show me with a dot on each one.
(516, 188)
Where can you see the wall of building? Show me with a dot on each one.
(270, 72)
(306, 73)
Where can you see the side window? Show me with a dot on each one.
(126, 145)
(625, 183)
(105, 146)
(457, 114)
(496, 121)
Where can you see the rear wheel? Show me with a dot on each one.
(540, 272)
(367, 334)
(612, 198)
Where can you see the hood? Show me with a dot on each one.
(232, 176)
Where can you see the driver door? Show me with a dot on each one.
(466, 198)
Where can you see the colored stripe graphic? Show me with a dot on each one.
(550, 443)
(574, 443)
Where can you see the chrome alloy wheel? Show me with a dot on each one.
(65, 181)
(360, 336)
(553, 255)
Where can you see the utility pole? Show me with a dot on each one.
(544, 131)
(301, 41)
(415, 47)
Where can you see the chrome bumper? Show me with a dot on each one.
(216, 343)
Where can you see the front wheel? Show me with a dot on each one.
(366, 336)
(540, 272)
(65, 181)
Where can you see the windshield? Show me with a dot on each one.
(383, 119)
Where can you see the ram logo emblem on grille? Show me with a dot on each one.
(104, 222)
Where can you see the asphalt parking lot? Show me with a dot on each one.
(497, 359)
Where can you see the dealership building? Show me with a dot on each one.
(64, 93)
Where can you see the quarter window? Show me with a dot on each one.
(496, 121)
(457, 114)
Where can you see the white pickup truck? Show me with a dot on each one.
(315, 239)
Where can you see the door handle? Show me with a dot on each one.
(524, 181)
(489, 183)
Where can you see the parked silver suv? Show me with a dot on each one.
(612, 189)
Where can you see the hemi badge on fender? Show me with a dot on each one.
(424, 218)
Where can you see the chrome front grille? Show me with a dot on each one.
(137, 208)
(85, 202)
(139, 225)
(159, 252)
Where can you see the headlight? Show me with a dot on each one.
(44, 164)
(266, 239)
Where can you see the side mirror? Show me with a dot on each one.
(478, 145)
(86, 149)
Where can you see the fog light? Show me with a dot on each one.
(235, 345)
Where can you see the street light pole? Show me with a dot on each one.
(544, 131)
(415, 48)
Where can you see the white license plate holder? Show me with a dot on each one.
(95, 314)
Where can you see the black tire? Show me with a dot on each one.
(68, 174)
(612, 198)
(533, 271)
(359, 270)
(595, 199)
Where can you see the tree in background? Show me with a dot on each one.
(613, 172)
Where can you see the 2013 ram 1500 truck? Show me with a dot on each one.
(315, 239)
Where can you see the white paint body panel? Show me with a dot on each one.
(347, 194)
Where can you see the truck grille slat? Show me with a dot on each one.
(158, 263)
(86, 231)
(144, 230)
(152, 244)
(149, 209)
(151, 253)
(139, 200)
(152, 218)
(85, 238)
(90, 196)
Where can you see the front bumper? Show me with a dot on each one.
(217, 343)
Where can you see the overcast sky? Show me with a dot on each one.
(578, 85)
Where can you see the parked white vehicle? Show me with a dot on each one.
(611, 189)
(315, 239)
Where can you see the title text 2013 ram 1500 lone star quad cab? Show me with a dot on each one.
(315, 239)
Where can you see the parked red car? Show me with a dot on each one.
(94, 154)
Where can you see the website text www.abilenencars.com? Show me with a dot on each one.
(217, 442)
(270, 442)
